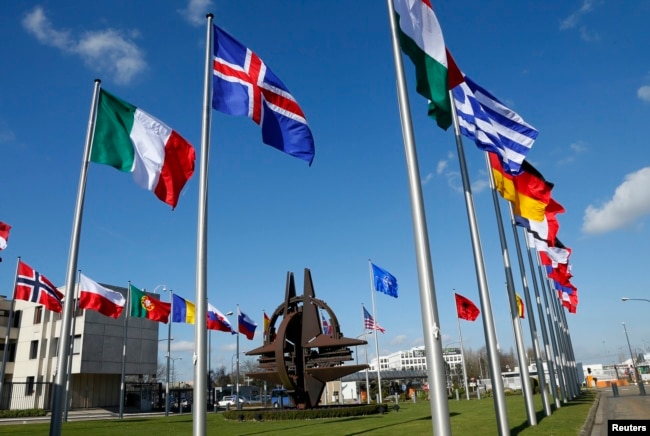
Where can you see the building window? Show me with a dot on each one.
(78, 310)
(29, 386)
(33, 352)
(17, 316)
(76, 348)
(55, 347)
(38, 314)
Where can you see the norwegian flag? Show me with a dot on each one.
(244, 86)
(35, 287)
(370, 323)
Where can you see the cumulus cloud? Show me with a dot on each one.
(182, 346)
(105, 50)
(644, 93)
(195, 11)
(631, 201)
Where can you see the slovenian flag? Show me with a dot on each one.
(217, 320)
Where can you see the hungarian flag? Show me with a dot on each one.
(246, 325)
(94, 296)
(36, 288)
(520, 306)
(421, 40)
(466, 309)
(133, 141)
(4, 235)
(145, 306)
(217, 320)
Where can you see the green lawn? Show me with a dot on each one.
(475, 418)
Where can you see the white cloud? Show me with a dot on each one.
(196, 11)
(398, 340)
(104, 50)
(572, 20)
(631, 201)
(181, 346)
(427, 178)
(644, 93)
(6, 134)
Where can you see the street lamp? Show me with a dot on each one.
(636, 299)
(174, 359)
(639, 382)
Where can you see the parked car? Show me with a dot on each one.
(281, 398)
(231, 400)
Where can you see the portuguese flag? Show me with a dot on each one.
(145, 306)
(133, 141)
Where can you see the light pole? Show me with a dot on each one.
(174, 359)
(639, 382)
(365, 348)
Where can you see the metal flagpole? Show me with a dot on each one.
(428, 303)
(550, 357)
(5, 353)
(374, 316)
(462, 356)
(200, 399)
(169, 350)
(489, 329)
(124, 342)
(551, 329)
(562, 341)
(64, 336)
(237, 360)
(363, 314)
(512, 299)
(70, 356)
(531, 317)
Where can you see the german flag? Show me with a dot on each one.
(529, 192)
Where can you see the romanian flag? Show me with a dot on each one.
(182, 310)
(145, 306)
(528, 192)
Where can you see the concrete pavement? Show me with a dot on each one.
(629, 404)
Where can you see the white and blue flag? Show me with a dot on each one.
(492, 125)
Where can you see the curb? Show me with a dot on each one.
(591, 416)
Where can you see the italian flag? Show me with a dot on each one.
(421, 40)
(94, 296)
(144, 306)
(131, 140)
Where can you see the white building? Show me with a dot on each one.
(31, 362)
(415, 358)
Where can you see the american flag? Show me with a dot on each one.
(370, 323)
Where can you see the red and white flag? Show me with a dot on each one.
(94, 296)
(35, 287)
(4, 235)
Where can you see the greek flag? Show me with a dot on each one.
(492, 125)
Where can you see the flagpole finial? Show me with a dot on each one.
(209, 15)
(98, 80)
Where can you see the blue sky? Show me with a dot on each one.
(578, 71)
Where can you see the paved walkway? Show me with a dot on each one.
(628, 405)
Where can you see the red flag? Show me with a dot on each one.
(34, 287)
(466, 309)
(4, 235)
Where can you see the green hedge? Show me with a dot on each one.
(22, 413)
(293, 414)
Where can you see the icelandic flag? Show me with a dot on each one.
(246, 325)
(244, 86)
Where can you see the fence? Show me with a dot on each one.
(26, 395)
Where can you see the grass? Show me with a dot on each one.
(475, 417)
